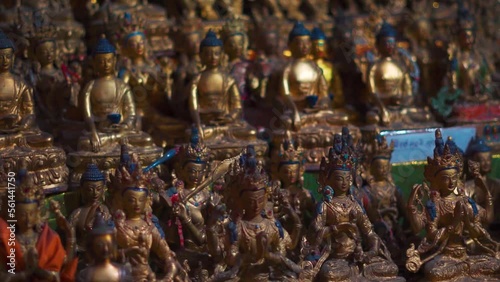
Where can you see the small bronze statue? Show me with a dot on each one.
(137, 235)
(255, 244)
(39, 252)
(450, 219)
(102, 248)
(350, 248)
(92, 188)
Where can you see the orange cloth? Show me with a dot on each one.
(50, 251)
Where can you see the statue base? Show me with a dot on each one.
(107, 160)
(48, 166)
(315, 140)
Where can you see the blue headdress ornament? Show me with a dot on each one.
(104, 47)
(5, 42)
(298, 30)
(317, 34)
(211, 40)
(477, 145)
(386, 30)
(92, 174)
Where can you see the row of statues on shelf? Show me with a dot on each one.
(236, 221)
(123, 93)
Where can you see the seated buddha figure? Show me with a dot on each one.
(137, 235)
(450, 219)
(350, 247)
(150, 84)
(39, 254)
(215, 103)
(101, 246)
(303, 97)
(255, 244)
(108, 107)
(384, 202)
(18, 128)
(480, 154)
(92, 192)
(390, 87)
(467, 94)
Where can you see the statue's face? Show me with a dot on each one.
(319, 48)
(210, 56)
(484, 160)
(340, 181)
(289, 174)
(105, 63)
(467, 39)
(92, 191)
(271, 42)
(446, 181)
(46, 53)
(134, 203)
(6, 59)
(136, 45)
(26, 215)
(194, 174)
(235, 46)
(253, 202)
(102, 247)
(387, 46)
(301, 46)
(193, 43)
(380, 169)
(423, 29)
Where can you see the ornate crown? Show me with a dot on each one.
(465, 19)
(233, 26)
(381, 149)
(446, 156)
(342, 156)
(195, 151)
(26, 189)
(290, 152)
(130, 25)
(42, 30)
(129, 173)
(246, 174)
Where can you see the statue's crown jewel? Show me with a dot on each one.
(290, 152)
(446, 156)
(247, 173)
(195, 151)
(130, 25)
(382, 149)
(343, 155)
(129, 173)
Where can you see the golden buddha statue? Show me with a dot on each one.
(92, 193)
(215, 106)
(390, 87)
(22, 144)
(481, 154)
(350, 247)
(102, 248)
(36, 252)
(287, 167)
(450, 219)
(137, 236)
(254, 242)
(384, 202)
(305, 102)
(185, 230)
(467, 95)
(110, 115)
(151, 86)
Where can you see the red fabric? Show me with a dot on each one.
(51, 252)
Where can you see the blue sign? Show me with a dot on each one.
(417, 145)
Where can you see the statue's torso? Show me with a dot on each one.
(303, 79)
(9, 95)
(341, 211)
(137, 233)
(105, 98)
(387, 79)
(212, 94)
(468, 76)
